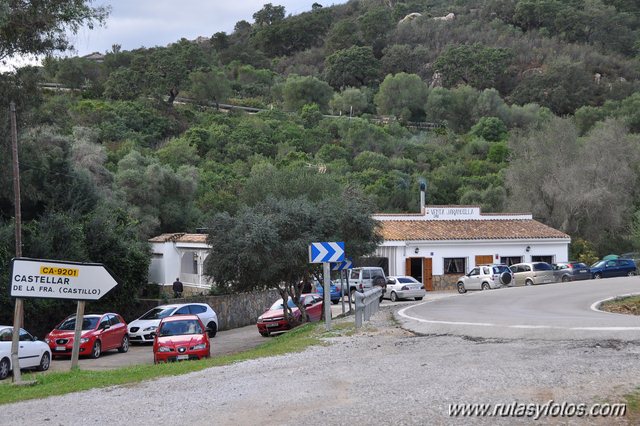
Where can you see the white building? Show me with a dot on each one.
(444, 242)
(436, 246)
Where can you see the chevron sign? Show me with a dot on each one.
(326, 252)
(345, 264)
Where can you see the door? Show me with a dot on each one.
(484, 259)
(427, 273)
(106, 336)
(473, 279)
(407, 266)
(28, 352)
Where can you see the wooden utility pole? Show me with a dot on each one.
(18, 311)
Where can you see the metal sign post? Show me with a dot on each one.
(53, 279)
(341, 266)
(326, 253)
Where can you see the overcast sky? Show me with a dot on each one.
(148, 23)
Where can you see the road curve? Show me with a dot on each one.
(558, 311)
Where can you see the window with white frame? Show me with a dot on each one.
(455, 265)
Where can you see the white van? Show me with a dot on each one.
(364, 278)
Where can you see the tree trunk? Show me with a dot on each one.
(173, 93)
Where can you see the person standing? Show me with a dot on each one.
(177, 288)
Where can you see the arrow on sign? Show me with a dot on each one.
(345, 264)
(60, 280)
(326, 252)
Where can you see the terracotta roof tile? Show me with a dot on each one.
(404, 230)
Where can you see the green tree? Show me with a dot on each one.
(269, 15)
(402, 95)
(490, 129)
(211, 86)
(299, 91)
(265, 245)
(352, 67)
(474, 65)
(351, 101)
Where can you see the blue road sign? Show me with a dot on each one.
(345, 264)
(326, 252)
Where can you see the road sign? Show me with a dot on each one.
(345, 264)
(60, 280)
(326, 252)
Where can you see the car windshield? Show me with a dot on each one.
(88, 323)
(579, 265)
(180, 327)
(406, 280)
(542, 267)
(377, 273)
(598, 264)
(158, 313)
(278, 305)
(501, 269)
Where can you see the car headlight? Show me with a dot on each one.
(260, 318)
(151, 328)
(199, 347)
(84, 340)
(164, 349)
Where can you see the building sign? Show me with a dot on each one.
(59, 280)
(452, 213)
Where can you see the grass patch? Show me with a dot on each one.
(624, 305)
(633, 406)
(60, 383)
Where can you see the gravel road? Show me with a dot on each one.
(382, 375)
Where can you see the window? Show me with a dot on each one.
(197, 309)
(454, 265)
(542, 267)
(182, 311)
(355, 274)
(474, 272)
(114, 319)
(547, 259)
(6, 335)
(510, 260)
(104, 322)
(485, 270)
(25, 337)
(366, 274)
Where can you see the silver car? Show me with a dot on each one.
(531, 273)
(404, 287)
(485, 277)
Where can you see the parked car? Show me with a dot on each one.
(273, 319)
(530, 273)
(142, 330)
(404, 287)
(334, 293)
(485, 277)
(365, 278)
(571, 271)
(100, 333)
(179, 338)
(613, 268)
(32, 353)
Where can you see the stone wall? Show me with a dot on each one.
(445, 282)
(235, 310)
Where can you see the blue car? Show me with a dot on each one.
(334, 294)
(613, 268)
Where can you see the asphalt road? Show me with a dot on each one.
(558, 311)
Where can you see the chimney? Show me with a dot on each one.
(423, 195)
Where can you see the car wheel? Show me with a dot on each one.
(631, 273)
(264, 334)
(125, 344)
(96, 350)
(597, 276)
(485, 286)
(461, 288)
(213, 329)
(418, 298)
(528, 282)
(394, 296)
(4, 368)
(45, 362)
(565, 279)
(505, 278)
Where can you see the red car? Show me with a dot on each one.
(179, 338)
(100, 332)
(273, 319)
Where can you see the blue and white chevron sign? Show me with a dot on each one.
(345, 264)
(326, 252)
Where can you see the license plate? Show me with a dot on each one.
(582, 271)
(60, 348)
(272, 325)
(182, 357)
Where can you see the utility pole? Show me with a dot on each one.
(18, 311)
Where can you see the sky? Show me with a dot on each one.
(149, 23)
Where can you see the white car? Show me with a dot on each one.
(404, 287)
(32, 352)
(142, 330)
